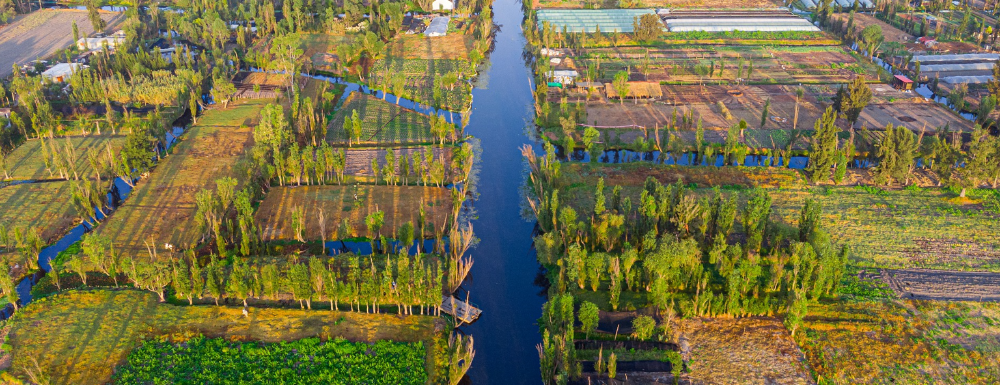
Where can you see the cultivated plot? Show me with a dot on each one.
(400, 204)
(79, 337)
(28, 161)
(382, 123)
(161, 210)
(45, 206)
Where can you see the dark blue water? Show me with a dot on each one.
(502, 281)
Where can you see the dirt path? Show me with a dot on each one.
(42, 33)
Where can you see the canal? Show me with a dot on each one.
(502, 281)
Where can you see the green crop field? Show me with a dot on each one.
(308, 361)
(421, 75)
(44, 206)
(27, 162)
(382, 122)
(161, 209)
(78, 337)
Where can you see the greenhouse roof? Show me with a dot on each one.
(587, 20)
(769, 24)
(954, 57)
(957, 67)
(966, 79)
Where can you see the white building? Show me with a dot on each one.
(443, 5)
(98, 43)
(438, 27)
(563, 76)
(61, 72)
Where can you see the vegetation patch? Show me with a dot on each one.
(382, 123)
(77, 155)
(45, 208)
(219, 361)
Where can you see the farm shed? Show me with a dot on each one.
(725, 24)
(438, 27)
(902, 82)
(636, 90)
(61, 72)
(563, 76)
(925, 59)
(588, 20)
(98, 43)
(982, 79)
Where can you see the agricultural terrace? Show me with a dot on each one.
(161, 210)
(40, 34)
(79, 337)
(382, 123)
(866, 338)
(45, 207)
(27, 162)
(400, 204)
(907, 228)
(725, 64)
(439, 82)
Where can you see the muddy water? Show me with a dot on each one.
(502, 282)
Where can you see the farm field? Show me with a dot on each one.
(866, 338)
(27, 161)
(448, 47)
(658, 4)
(359, 161)
(383, 123)
(684, 64)
(910, 228)
(162, 207)
(943, 285)
(218, 361)
(741, 351)
(42, 33)
(423, 75)
(79, 337)
(45, 206)
(401, 204)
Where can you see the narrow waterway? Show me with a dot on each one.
(502, 281)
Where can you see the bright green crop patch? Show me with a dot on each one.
(382, 123)
(307, 361)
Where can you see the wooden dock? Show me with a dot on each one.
(461, 310)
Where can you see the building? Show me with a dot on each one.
(902, 82)
(443, 5)
(98, 43)
(563, 76)
(60, 73)
(438, 27)
(775, 20)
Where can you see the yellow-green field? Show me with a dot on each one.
(78, 337)
(27, 162)
(45, 206)
(383, 123)
(161, 209)
(400, 204)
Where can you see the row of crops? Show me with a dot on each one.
(307, 361)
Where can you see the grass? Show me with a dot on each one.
(421, 74)
(382, 122)
(912, 342)
(401, 204)
(78, 337)
(27, 161)
(161, 209)
(45, 206)
(741, 351)
(911, 228)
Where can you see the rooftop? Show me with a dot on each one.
(588, 20)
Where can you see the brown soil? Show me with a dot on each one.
(756, 350)
(943, 285)
(40, 34)
(892, 34)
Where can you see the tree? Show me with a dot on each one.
(95, 18)
(871, 38)
(994, 83)
(8, 288)
(859, 94)
(301, 284)
(647, 27)
(223, 90)
(763, 113)
(642, 327)
(798, 98)
(896, 153)
(823, 146)
(620, 85)
(589, 315)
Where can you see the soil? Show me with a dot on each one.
(40, 34)
(755, 350)
(943, 285)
